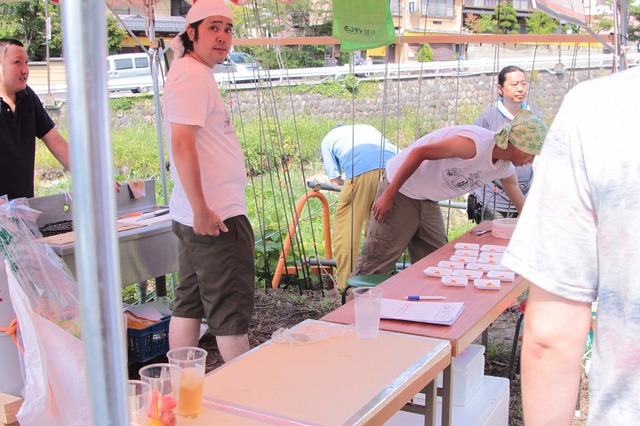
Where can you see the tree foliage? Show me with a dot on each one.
(25, 21)
(425, 53)
(507, 19)
(482, 24)
(541, 23)
(115, 35)
(302, 18)
(503, 20)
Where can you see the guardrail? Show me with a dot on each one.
(551, 64)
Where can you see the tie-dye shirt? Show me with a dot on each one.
(579, 234)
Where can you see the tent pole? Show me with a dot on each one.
(49, 100)
(155, 61)
(154, 56)
(94, 212)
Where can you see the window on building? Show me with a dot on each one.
(437, 8)
(521, 5)
(179, 8)
(396, 8)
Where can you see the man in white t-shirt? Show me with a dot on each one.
(208, 206)
(444, 164)
(577, 242)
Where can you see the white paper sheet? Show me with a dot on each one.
(424, 311)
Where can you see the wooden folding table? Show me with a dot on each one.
(341, 380)
(482, 307)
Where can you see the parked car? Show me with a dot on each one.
(129, 71)
(238, 66)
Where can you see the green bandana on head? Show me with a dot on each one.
(526, 132)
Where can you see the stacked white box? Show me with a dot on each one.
(468, 371)
(489, 407)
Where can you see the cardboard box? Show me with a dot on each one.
(9, 407)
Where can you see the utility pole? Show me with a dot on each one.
(49, 100)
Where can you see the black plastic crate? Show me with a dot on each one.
(149, 342)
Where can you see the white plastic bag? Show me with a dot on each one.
(305, 334)
(55, 391)
(44, 297)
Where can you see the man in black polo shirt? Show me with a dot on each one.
(22, 119)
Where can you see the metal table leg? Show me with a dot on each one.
(430, 404)
(447, 396)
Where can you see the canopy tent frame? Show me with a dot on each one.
(94, 217)
(155, 52)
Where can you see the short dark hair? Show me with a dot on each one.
(188, 44)
(5, 43)
(502, 76)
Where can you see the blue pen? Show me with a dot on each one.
(425, 297)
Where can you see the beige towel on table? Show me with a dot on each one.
(137, 188)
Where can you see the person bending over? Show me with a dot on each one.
(443, 164)
(361, 153)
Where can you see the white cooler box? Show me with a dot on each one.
(468, 371)
(489, 407)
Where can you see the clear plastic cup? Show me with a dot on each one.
(367, 304)
(191, 361)
(138, 393)
(163, 398)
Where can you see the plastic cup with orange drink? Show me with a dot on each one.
(191, 361)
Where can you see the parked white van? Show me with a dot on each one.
(129, 71)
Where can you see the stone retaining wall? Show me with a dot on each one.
(433, 97)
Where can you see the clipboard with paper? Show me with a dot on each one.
(441, 313)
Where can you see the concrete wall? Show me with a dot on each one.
(442, 101)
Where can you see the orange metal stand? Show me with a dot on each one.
(326, 219)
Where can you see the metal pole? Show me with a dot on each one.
(155, 61)
(49, 100)
(97, 261)
(47, 37)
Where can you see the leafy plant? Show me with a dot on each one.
(115, 35)
(541, 23)
(123, 103)
(25, 21)
(503, 21)
(425, 53)
(351, 83)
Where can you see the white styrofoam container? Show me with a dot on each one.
(489, 407)
(468, 370)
